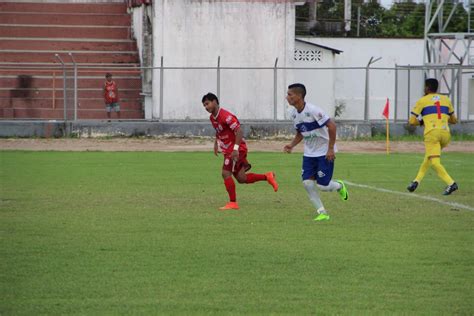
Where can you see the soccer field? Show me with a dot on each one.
(139, 232)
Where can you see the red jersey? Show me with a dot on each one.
(110, 92)
(225, 123)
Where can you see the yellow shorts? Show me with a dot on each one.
(436, 140)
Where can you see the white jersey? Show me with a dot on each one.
(311, 123)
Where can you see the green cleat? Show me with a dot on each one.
(321, 217)
(343, 191)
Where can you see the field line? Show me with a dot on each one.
(413, 195)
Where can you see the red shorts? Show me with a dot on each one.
(235, 167)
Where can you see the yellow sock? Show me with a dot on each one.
(442, 173)
(422, 171)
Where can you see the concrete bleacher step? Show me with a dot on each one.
(63, 19)
(64, 31)
(58, 114)
(59, 7)
(58, 103)
(67, 44)
(28, 56)
(95, 33)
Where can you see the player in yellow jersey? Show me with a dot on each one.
(436, 113)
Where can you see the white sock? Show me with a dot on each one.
(313, 194)
(331, 187)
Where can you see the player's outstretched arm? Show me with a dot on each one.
(296, 140)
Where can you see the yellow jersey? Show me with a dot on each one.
(435, 109)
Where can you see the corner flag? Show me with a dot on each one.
(386, 109)
(385, 113)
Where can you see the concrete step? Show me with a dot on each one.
(65, 19)
(18, 31)
(65, 45)
(84, 104)
(14, 82)
(19, 56)
(46, 93)
(58, 114)
(116, 8)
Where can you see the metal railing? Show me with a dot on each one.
(364, 93)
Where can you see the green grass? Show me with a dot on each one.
(122, 233)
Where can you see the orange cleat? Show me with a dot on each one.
(230, 206)
(271, 179)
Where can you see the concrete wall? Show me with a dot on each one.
(350, 84)
(319, 83)
(249, 33)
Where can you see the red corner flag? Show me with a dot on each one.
(386, 109)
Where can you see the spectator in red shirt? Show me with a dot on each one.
(111, 96)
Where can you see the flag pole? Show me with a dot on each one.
(388, 137)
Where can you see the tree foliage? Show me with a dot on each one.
(402, 20)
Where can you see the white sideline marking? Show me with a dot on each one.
(428, 198)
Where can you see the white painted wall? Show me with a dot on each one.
(350, 84)
(191, 33)
(319, 83)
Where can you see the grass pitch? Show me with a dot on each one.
(122, 233)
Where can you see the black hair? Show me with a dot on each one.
(299, 88)
(210, 97)
(108, 75)
(432, 84)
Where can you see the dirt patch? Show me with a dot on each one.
(206, 144)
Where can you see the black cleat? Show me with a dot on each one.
(450, 189)
(412, 187)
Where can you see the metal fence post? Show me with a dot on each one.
(64, 86)
(275, 88)
(408, 91)
(395, 108)
(366, 99)
(161, 88)
(459, 90)
(218, 91)
(75, 86)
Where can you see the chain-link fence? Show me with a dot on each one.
(65, 91)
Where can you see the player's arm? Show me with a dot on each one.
(238, 139)
(452, 119)
(413, 119)
(296, 140)
(330, 155)
(216, 147)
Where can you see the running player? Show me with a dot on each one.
(436, 113)
(229, 138)
(319, 134)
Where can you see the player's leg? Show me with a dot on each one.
(308, 175)
(440, 139)
(242, 166)
(444, 141)
(229, 184)
(108, 109)
(431, 146)
(117, 109)
(324, 179)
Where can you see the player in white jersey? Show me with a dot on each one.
(319, 134)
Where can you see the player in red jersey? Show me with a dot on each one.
(229, 138)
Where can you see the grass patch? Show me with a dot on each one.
(139, 232)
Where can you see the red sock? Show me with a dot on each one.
(230, 187)
(254, 177)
